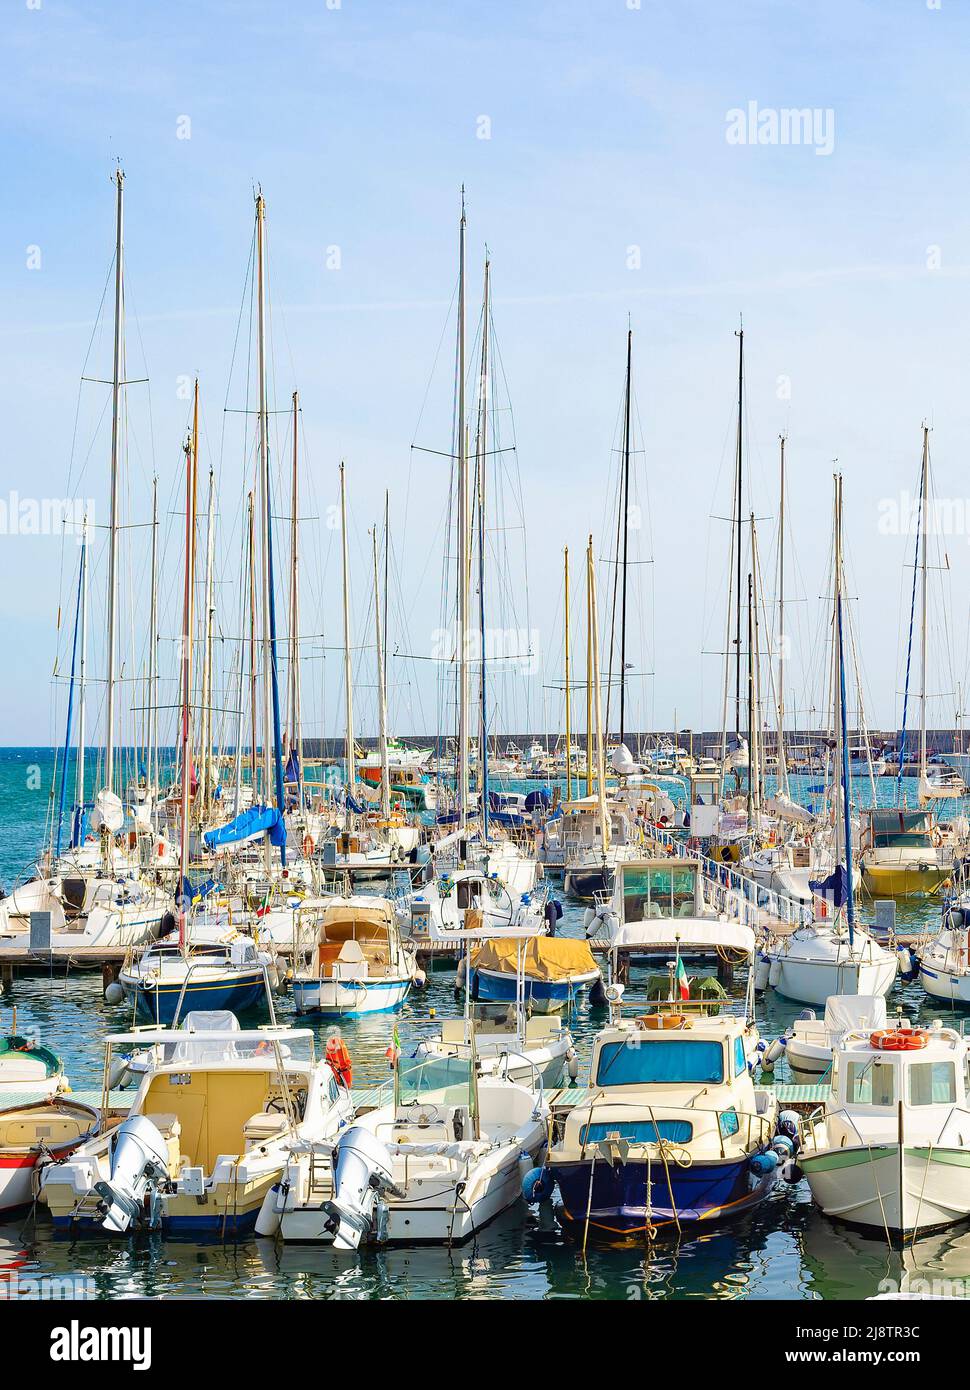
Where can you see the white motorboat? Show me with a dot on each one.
(810, 1042)
(357, 963)
(826, 957)
(436, 1163)
(891, 1150)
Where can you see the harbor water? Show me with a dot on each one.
(785, 1249)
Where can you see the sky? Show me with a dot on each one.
(605, 152)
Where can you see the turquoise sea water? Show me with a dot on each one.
(784, 1250)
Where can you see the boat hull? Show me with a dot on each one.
(542, 996)
(158, 1002)
(616, 1196)
(920, 880)
(889, 1187)
(813, 982)
(349, 999)
(944, 985)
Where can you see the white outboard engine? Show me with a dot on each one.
(361, 1175)
(139, 1165)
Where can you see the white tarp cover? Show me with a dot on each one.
(664, 932)
(844, 1013)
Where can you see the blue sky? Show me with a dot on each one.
(607, 131)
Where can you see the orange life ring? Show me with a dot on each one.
(161, 849)
(899, 1039)
(308, 845)
(338, 1058)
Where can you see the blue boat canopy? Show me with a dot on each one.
(258, 820)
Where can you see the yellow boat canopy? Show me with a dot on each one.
(341, 922)
(545, 957)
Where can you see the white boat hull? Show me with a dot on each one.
(878, 1186)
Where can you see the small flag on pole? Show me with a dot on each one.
(682, 980)
(394, 1050)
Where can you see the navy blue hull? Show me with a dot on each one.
(619, 1205)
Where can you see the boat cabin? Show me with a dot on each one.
(356, 938)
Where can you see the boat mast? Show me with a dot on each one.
(751, 715)
(589, 686)
(463, 530)
(739, 334)
(187, 628)
(381, 705)
(842, 727)
(569, 760)
(296, 713)
(116, 381)
(350, 756)
(152, 731)
(597, 700)
(626, 529)
(264, 503)
(207, 651)
(481, 451)
(82, 678)
(253, 699)
(924, 482)
(782, 760)
(237, 770)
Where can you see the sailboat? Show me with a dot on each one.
(833, 955)
(904, 853)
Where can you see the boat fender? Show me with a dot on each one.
(776, 1050)
(763, 1164)
(783, 1147)
(419, 979)
(572, 1064)
(118, 1071)
(537, 1186)
(598, 997)
(761, 972)
(907, 966)
(791, 1172)
(268, 1220)
(788, 1123)
(774, 974)
(114, 994)
(589, 919)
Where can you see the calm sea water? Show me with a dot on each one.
(784, 1250)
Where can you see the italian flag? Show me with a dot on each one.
(683, 983)
(394, 1050)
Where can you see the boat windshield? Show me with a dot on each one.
(669, 1062)
(870, 1082)
(932, 1083)
(660, 892)
(435, 1080)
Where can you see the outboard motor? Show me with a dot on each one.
(362, 1173)
(139, 1166)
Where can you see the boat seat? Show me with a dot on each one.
(651, 909)
(264, 1125)
(351, 952)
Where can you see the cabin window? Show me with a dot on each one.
(658, 893)
(932, 1083)
(638, 1131)
(740, 1061)
(870, 1083)
(639, 1064)
(728, 1123)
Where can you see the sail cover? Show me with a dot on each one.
(258, 820)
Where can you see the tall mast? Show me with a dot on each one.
(253, 700)
(922, 638)
(187, 628)
(843, 811)
(751, 714)
(244, 591)
(116, 380)
(482, 450)
(569, 760)
(754, 747)
(463, 529)
(381, 706)
(589, 683)
(626, 529)
(207, 650)
(152, 760)
(82, 675)
(348, 681)
(296, 733)
(597, 701)
(739, 334)
(264, 504)
(782, 760)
